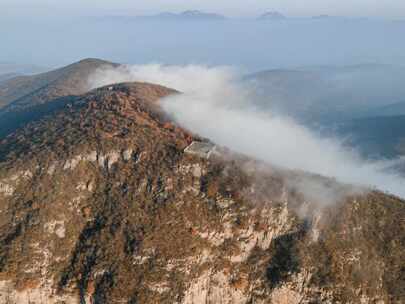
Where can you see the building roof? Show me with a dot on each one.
(202, 149)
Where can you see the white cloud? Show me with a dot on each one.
(215, 106)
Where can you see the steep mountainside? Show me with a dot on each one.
(395, 109)
(375, 137)
(103, 202)
(27, 98)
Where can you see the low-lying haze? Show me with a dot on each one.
(250, 44)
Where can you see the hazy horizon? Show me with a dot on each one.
(237, 8)
(250, 45)
(40, 32)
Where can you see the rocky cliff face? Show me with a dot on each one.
(100, 203)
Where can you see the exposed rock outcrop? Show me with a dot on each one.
(100, 204)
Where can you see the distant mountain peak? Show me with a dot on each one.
(272, 15)
(323, 16)
(191, 15)
(93, 61)
(192, 12)
(26, 97)
(200, 14)
(165, 15)
(67, 80)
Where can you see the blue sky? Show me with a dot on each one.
(363, 8)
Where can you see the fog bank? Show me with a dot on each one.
(215, 106)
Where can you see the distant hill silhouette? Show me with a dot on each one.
(272, 16)
(20, 69)
(26, 98)
(186, 15)
(4, 77)
(375, 137)
(24, 91)
(353, 101)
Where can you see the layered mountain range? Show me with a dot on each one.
(105, 199)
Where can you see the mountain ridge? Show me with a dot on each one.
(188, 15)
(27, 89)
(272, 15)
(27, 98)
(101, 203)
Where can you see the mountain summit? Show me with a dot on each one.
(273, 15)
(107, 200)
(191, 15)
